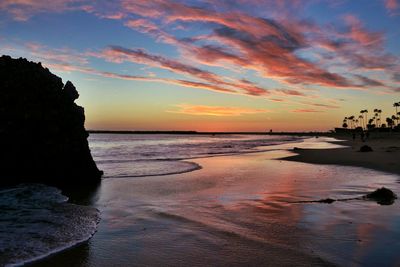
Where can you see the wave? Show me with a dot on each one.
(36, 221)
(138, 155)
(142, 168)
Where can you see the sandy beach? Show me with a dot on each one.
(384, 157)
(244, 210)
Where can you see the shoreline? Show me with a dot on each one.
(243, 200)
(384, 157)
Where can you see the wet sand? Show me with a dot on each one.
(384, 157)
(243, 210)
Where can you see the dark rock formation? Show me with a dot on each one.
(42, 134)
(382, 196)
(327, 200)
(365, 148)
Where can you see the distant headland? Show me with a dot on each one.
(311, 133)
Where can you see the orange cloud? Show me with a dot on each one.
(215, 110)
(306, 111)
(319, 105)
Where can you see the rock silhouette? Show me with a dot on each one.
(365, 148)
(42, 134)
(382, 196)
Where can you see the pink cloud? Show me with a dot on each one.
(184, 83)
(119, 54)
(264, 45)
(362, 36)
(290, 92)
(391, 5)
(22, 10)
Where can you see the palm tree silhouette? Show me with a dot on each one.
(380, 113)
(344, 125)
(361, 118)
(376, 111)
(389, 122)
(396, 105)
(366, 116)
(351, 119)
(395, 119)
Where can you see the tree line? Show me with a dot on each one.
(362, 121)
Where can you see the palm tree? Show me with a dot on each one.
(380, 113)
(376, 111)
(362, 117)
(361, 120)
(395, 119)
(366, 115)
(370, 123)
(351, 118)
(389, 122)
(345, 125)
(396, 105)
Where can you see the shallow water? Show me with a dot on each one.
(241, 210)
(36, 220)
(135, 155)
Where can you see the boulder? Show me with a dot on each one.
(382, 196)
(365, 148)
(42, 133)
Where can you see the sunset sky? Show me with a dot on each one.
(214, 65)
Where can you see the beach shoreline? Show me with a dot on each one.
(384, 157)
(248, 205)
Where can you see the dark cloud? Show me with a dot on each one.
(368, 81)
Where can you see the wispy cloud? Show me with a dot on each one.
(307, 111)
(391, 5)
(269, 46)
(200, 110)
(276, 48)
(369, 82)
(265, 45)
(119, 54)
(22, 10)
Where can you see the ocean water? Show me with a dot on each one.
(37, 220)
(125, 155)
(210, 201)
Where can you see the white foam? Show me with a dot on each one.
(148, 155)
(36, 221)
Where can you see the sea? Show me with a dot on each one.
(204, 200)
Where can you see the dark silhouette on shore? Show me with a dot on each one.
(374, 124)
(382, 196)
(42, 134)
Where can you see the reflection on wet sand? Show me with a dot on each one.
(236, 211)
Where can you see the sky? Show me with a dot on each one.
(214, 65)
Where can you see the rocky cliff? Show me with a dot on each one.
(42, 133)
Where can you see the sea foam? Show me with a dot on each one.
(36, 221)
